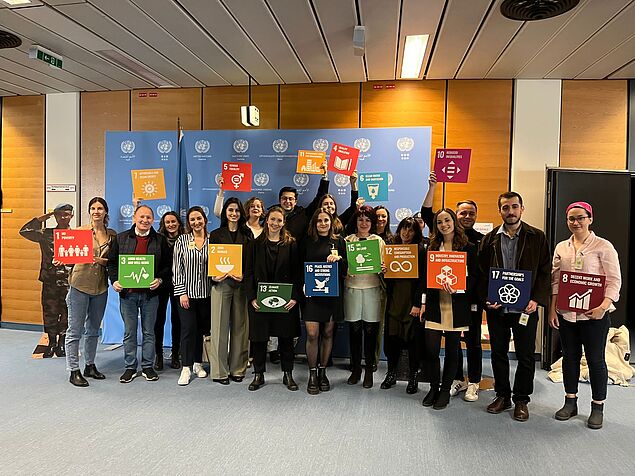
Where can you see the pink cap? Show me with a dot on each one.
(584, 205)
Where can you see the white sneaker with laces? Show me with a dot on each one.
(199, 370)
(457, 387)
(186, 374)
(471, 394)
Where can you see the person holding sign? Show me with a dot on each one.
(514, 245)
(193, 287)
(328, 203)
(447, 311)
(87, 297)
(273, 258)
(229, 335)
(363, 300)
(322, 313)
(584, 252)
(140, 239)
(403, 309)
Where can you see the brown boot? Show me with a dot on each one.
(368, 377)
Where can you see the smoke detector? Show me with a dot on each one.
(531, 10)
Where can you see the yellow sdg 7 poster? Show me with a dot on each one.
(148, 184)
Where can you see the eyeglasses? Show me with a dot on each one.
(579, 219)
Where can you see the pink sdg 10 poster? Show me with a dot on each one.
(452, 165)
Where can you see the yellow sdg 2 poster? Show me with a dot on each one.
(225, 259)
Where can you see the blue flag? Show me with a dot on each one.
(182, 195)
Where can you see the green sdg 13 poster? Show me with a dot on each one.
(272, 297)
(363, 257)
(136, 271)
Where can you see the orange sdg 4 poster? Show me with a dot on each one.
(447, 266)
(225, 259)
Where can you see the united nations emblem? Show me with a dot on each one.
(320, 145)
(202, 146)
(164, 146)
(206, 210)
(261, 179)
(405, 144)
(127, 146)
(362, 144)
(402, 213)
(189, 179)
(163, 209)
(280, 146)
(389, 179)
(301, 180)
(341, 180)
(126, 210)
(241, 146)
(217, 178)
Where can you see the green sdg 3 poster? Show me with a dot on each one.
(363, 257)
(136, 271)
(272, 297)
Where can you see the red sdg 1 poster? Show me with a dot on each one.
(73, 246)
(580, 292)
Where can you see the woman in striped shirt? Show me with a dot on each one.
(193, 287)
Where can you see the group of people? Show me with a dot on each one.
(221, 315)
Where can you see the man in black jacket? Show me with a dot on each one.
(141, 239)
(514, 245)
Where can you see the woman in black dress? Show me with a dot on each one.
(273, 258)
(320, 314)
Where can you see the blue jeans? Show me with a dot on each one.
(131, 306)
(85, 313)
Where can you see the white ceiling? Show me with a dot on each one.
(195, 43)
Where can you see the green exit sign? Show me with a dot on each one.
(50, 59)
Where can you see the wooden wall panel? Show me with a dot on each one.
(158, 109)
(479, 117)
(593, 127)
(23, 193)
(319, 106)
(410, 103)
(100, 112)
(221, 106)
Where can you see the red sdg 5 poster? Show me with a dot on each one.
(73, 246)
(343, 159)
(237, 176)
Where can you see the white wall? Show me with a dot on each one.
(535, 142)
(62, 150)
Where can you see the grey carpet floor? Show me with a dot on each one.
(49, 426)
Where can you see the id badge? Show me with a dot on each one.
(334, 252)
(579, 262)
(474, 307)
(191, 245)
(524, 319)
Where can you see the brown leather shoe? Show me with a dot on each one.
(521, 412)
(499, 405)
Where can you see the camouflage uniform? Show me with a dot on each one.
(54, 284)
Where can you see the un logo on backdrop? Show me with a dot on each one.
(341, 180)
(402, 213)
(241, 146)
(261, 179)
(301, 180)
(280, 146)
(362, 144)
(126, 210)
(206, 210)
(189, 179)
(405, 144)
(164, 146)
(202, 146)
(320, 145)
(127, 146)
(163, 209)
(389, 179)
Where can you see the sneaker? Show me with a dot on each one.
(457, 387)
(199, 370)
(149, 374)
(471, 394)
(128, 376)
(185, 376)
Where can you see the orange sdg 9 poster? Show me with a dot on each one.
(225, 259)
(450, 266)
(148, 184)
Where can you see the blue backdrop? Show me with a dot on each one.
(402, 152)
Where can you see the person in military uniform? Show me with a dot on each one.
(54, 278)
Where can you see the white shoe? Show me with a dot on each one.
(199, 370)
(457, 387)
(471, 394)
(185, 376)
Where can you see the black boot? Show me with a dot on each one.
(50, 349)
(596, 417)
(368, 377)
(287, 379)
(257, 382)
(413, 384)
(570, 409)
(356, 374)
(92, 372)
(274, 357)
(390, 380)
(60, 348)
(431, 396)
(77, 379)
(175, 362)
(323, 380)
(158, 361)
(442, 400)
(313, 387)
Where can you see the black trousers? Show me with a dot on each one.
(501, 325)
(393, 345)
(474, 350)
(432, 361)
(195, 325)
(592, 335)
(366, 331)
(285, 347)
(159, 326)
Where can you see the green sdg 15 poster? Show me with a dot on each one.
(136, 271)
(363, 257)
(272, 297)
